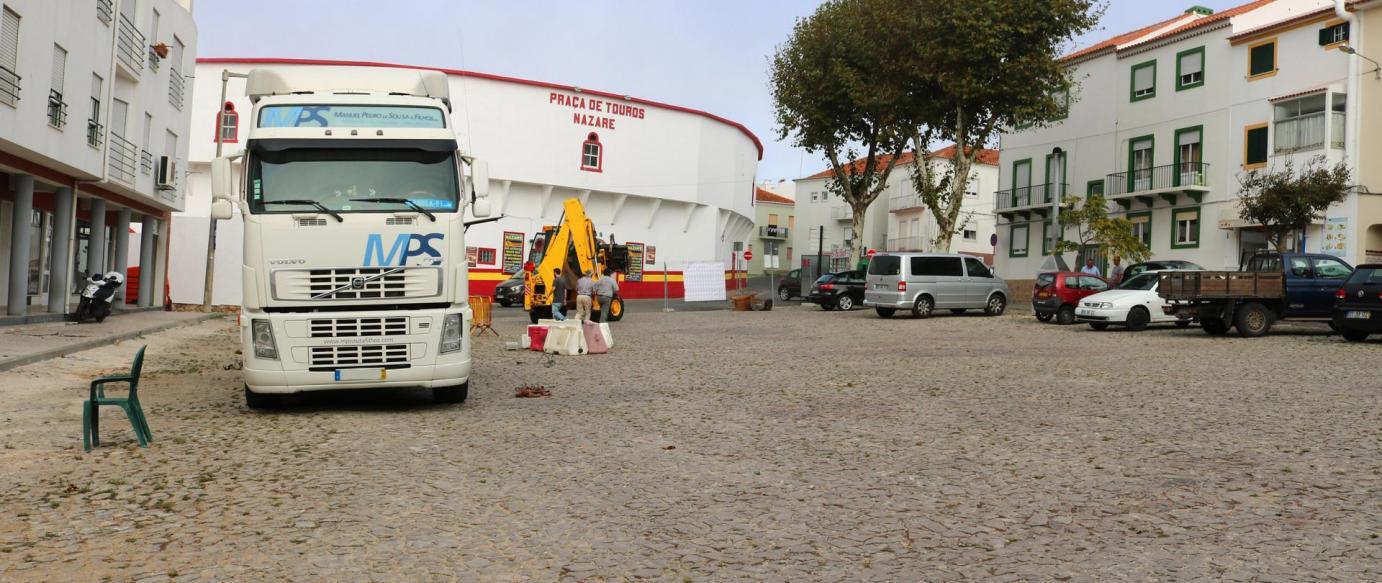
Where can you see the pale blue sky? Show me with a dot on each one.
(705, 54)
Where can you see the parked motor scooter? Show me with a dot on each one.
(98, 296)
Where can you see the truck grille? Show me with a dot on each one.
(353, 327)
(347, 356)
(357, 283)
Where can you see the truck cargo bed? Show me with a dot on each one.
(1213, 285)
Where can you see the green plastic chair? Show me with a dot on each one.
(91, 420)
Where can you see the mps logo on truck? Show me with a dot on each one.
(406, 246)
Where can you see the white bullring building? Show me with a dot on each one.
(674, 183)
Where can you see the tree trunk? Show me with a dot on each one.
(857, 226)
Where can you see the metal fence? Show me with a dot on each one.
(122, 159)
(57, 109)
(95, 133)
(1026, 196)
(129, 45)
(105, 9)
(1157, 178)
(175, 86)
(9, 86)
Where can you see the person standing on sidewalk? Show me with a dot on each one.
(585, 288)
(558, 295)
(606, 287)
(1115, 271)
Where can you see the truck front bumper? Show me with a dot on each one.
(348, 350)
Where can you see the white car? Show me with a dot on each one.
(1134, 304)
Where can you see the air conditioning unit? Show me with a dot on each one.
(167, 177)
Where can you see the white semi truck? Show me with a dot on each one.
(353, 192)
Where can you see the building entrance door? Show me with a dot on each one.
(40, 248)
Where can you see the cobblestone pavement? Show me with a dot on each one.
(792, 445)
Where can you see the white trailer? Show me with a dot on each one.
(353, 193)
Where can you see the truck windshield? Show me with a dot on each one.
(333, 177)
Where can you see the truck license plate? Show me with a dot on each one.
(1359, 315)
(362, 374)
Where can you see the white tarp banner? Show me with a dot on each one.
(704, 281)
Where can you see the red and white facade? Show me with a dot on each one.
(675, 182)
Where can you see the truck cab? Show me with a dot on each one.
(353, 193)
(1311, 281)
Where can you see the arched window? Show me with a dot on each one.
(592, 154)
(229, 125)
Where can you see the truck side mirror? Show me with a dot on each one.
(480, 208)
(221, 209)
(222, 180)
(479, 178)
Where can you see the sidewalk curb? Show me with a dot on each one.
(99, 342)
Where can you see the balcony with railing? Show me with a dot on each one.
(57, 109)
(1026, 199)
(772, 232)
(841, 213)
(105, 9)
(122, 159)
(904, 202)
(907, 244)
(95, 133)
(146, 162)
(154, 59)
(9, 86)
(175, 87)
(1188, 178)
(129, 47)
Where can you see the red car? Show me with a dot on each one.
(1055, 295)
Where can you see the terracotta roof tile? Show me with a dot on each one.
(986, 156)
(762, 195)
(1140, 36)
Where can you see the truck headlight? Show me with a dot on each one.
(263, 333)
(452, 338)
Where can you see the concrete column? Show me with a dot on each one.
(147, 271)
(19, 244)
(122, 249)
(96, 246)
(59, 260)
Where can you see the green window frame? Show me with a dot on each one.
(1015, 186)
(1176, 172)
(1175, 227)
(1064, 112)
(1132, 81)
(1026, 239)
(1051, 188)
(1092, 186)
(1132, 147)
(1146, 232)
(1181, 83)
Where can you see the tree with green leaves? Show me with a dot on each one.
(838, 91)
(975, 68)
(1287, 201)
(1092, 225)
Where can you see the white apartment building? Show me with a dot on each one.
(896, 221)
(1164, 120)
(94, 114)
(775, 218)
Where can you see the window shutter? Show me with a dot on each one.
(59, 68)
(1263, 59)
(9, 40)
(1142, 78)
(1191, 63)
(1187, 138)
(1326, 35)
(1257, 146)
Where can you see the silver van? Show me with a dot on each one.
(924, 282)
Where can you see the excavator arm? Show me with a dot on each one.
(574, 235)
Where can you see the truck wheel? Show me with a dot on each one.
(1253, 320)
(923, 306)
(1138, 319)
(255, 400)
(456, 394)
(1065, 316)
(1214, 326)
(616, 309)
(885, 312)
(1354, 335)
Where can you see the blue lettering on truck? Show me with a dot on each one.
(405, 246)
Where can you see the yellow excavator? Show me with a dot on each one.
(573, 246)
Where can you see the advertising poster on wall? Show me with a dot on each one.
(513, 251)
(472, 256)
(635, 262)
(1335, 236)
(650, 257)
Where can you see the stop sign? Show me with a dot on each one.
(748, 255)
(872, 252)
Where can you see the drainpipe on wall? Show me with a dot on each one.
(1351, 109)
